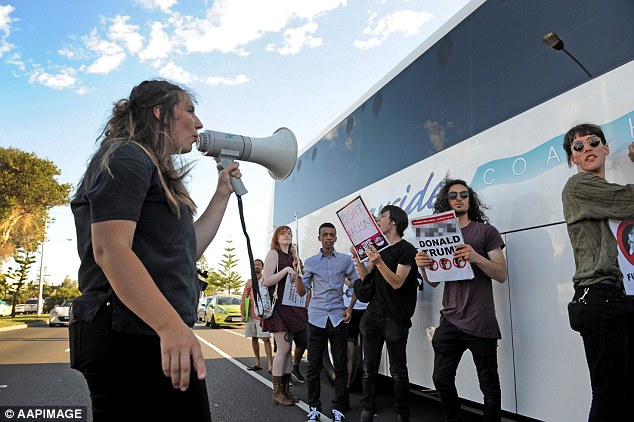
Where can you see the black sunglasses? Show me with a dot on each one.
(593, 142)
(454, 195)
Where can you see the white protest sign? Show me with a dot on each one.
(437, 236)
(291, 297)
(623, 231)
(361, 227)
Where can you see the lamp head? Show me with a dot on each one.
(552, 40)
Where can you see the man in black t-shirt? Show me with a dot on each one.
(467, 320)
(392, 273)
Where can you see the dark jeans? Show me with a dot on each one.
(125, 379)
(604, 317)
(449, 344)
(317, 342)
(377, 329)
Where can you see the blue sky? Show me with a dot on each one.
(255, 66)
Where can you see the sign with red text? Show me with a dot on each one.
(623, 231)
(361, 227)
(437, 236)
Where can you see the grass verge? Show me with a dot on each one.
(22, 319)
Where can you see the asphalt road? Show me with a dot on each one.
(34, 370)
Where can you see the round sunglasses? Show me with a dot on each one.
(593, 142)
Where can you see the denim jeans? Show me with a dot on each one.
(377, 329)
(449, 344)
(604, 317)
(124, 375)
(317, 342)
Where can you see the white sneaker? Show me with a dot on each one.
(313, 415)
(337, 416)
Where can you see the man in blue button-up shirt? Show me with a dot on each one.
(324, 273)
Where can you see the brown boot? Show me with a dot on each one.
(286, 380)
(279, 396)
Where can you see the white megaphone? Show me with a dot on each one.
(278, 152)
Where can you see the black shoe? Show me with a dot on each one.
(366, 415)
(297, 376)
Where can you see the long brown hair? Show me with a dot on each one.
(275, 244)
(133, 121)
(476, 207)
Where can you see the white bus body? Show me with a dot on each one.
(518, 168)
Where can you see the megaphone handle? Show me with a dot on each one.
(236, 184)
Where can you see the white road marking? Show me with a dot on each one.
(263, 380)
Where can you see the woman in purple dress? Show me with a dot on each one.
(279, 265)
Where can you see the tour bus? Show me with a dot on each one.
(487, 101)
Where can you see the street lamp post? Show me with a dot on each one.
(40, 303)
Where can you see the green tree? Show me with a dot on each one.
(28, 189)
(20, 275)
(228, 278)
(209, 276)
(4, 286)
(69, 289)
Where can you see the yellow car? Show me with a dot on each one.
(223, 310)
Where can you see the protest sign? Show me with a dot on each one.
(291, 297)
(623, 231)
(361, 227)
(437, 236)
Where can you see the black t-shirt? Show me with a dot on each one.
(400, 304)
(165, 243)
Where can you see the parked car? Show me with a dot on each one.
(5, 308)
(59, 314)
(223, 310)
(30, 307)
(20, 308)
(202, 306)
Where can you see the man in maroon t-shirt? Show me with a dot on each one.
(467, 320)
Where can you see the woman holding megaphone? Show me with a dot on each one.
(130, 330)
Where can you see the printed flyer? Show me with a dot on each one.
(437, 236)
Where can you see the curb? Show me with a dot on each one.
(13, 327)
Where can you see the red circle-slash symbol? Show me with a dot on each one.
(459, 262)
(445, 263)
(625, 239)
(433, 266)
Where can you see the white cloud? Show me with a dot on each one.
(5, 19)
(296, 38)
(66, 78)
(111, 55)
(217, 80)
(126, 34)
(175, 73)
(406, 22)
(5, 27)
(232, 24)
(164, 5)
(16, 60)
(106, 63)
(83, 90)
(229, 26)
(159, 45)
